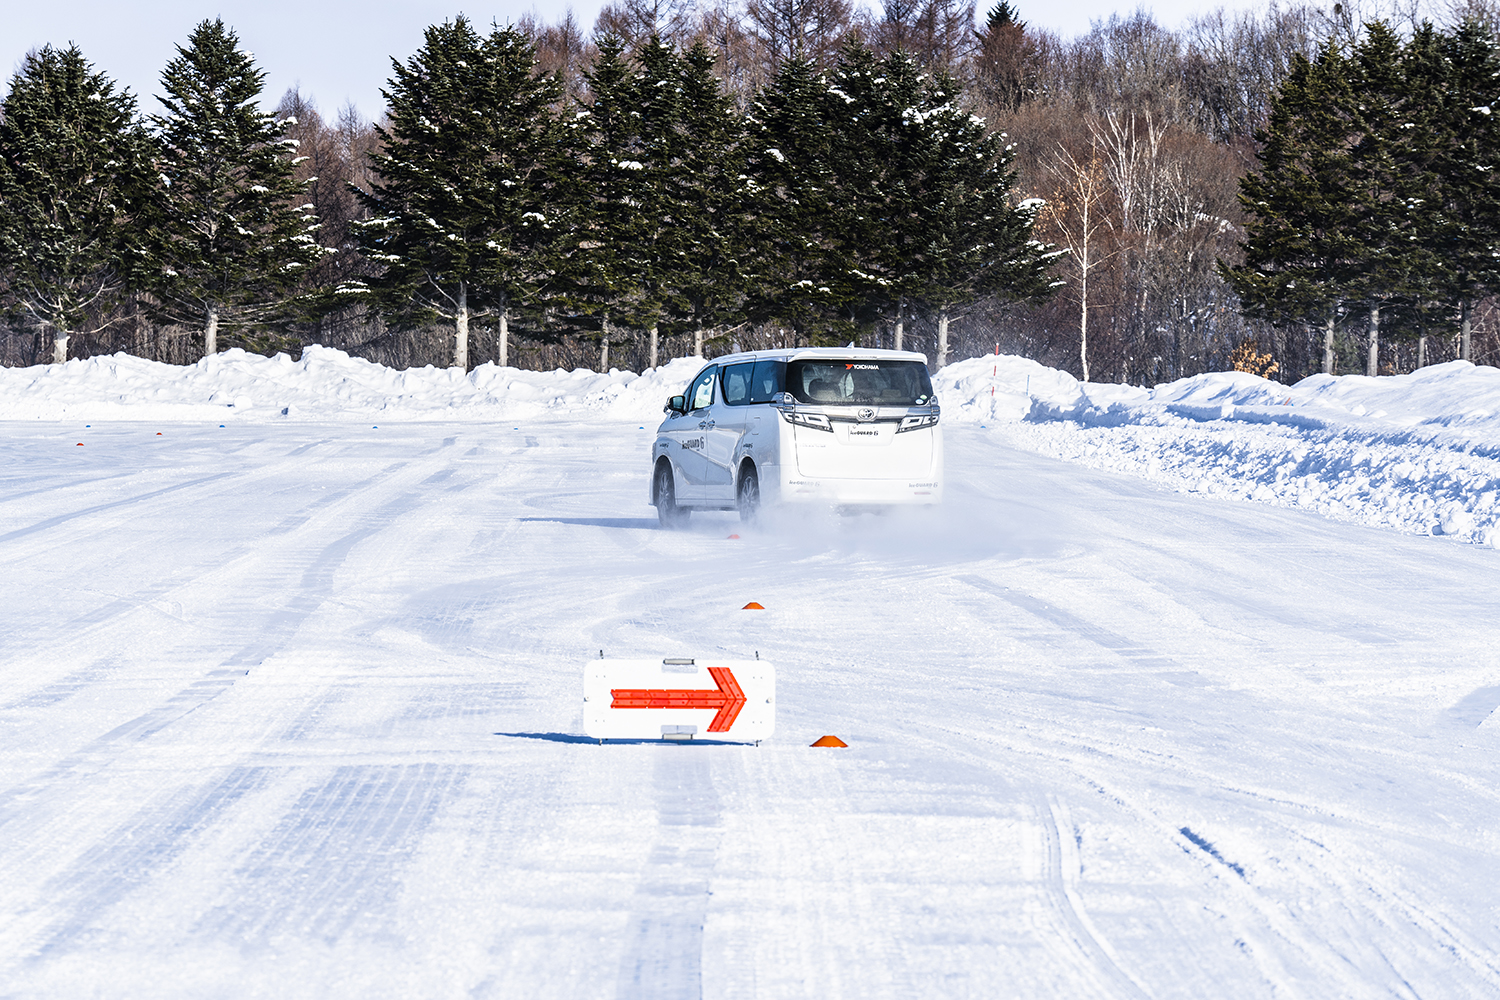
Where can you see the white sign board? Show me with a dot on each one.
(679, 699)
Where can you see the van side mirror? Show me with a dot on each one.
(676, 405)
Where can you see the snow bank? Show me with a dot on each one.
(325, 384)
(1418, 452)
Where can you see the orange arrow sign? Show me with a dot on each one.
(728, 698)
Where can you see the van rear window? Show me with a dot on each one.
(860, 382)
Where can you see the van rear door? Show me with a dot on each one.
(865, 401)
(863, 450)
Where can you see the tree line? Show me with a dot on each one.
(842, 198)
(690, 178)
(1377, 196)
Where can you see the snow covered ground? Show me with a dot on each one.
(291, 706)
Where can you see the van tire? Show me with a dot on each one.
(667, 512)
(747, 494)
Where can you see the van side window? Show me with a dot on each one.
(737, 384)
(701, 393)
(768, 379)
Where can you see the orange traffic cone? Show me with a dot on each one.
(830, 741)
(753, 606)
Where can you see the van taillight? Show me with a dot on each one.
(817, 421)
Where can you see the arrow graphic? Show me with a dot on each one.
(728, 698)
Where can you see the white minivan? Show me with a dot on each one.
(844, 427)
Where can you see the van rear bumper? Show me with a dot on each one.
(861, 492)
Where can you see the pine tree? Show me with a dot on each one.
(977, 243)
(710, 202)
(796, 275)
(72, 186)
(1005, 70)
(232, 231)
(925, 195)
(603, 269)
(465, 214)
(1451, 81)
(656, 143)
(1391, 216)
(666, 191)
(1302, 254)
(878, 158)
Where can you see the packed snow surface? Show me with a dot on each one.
(291, 706)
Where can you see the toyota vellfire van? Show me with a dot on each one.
(844, 427)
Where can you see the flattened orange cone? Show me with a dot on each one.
(753, 606)
(734, 536)
(830, 741)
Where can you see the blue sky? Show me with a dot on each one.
(337, 50)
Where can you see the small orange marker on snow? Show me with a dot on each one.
(752, 606)
(80, 444)
(734, 536)
(830, 741)
(158, 433)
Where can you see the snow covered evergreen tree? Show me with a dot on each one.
(711, 202)
(1389, 198)
(796, 274)
(1453, 148)
(663, 193)
(1374, 188)
(878, 193)
(232, 231)
(465, 212)
(1300, 246)
(924, 196)
(601, 274)
(73, 167)
(651, 106)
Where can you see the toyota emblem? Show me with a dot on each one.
(865, 414)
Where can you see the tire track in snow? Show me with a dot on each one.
(1357, 888)
(1073, 624)
(59, 519)
(1064, 866)
(76, 628)
(1261, 919)
(128, 858)
(35, 798)
(1063, 870)
(336, 857)
(53, 487)
(663, 957)
(31, 798)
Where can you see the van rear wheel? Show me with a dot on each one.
(667, 512)
(748, 494)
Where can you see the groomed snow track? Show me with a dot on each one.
(293, 710)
